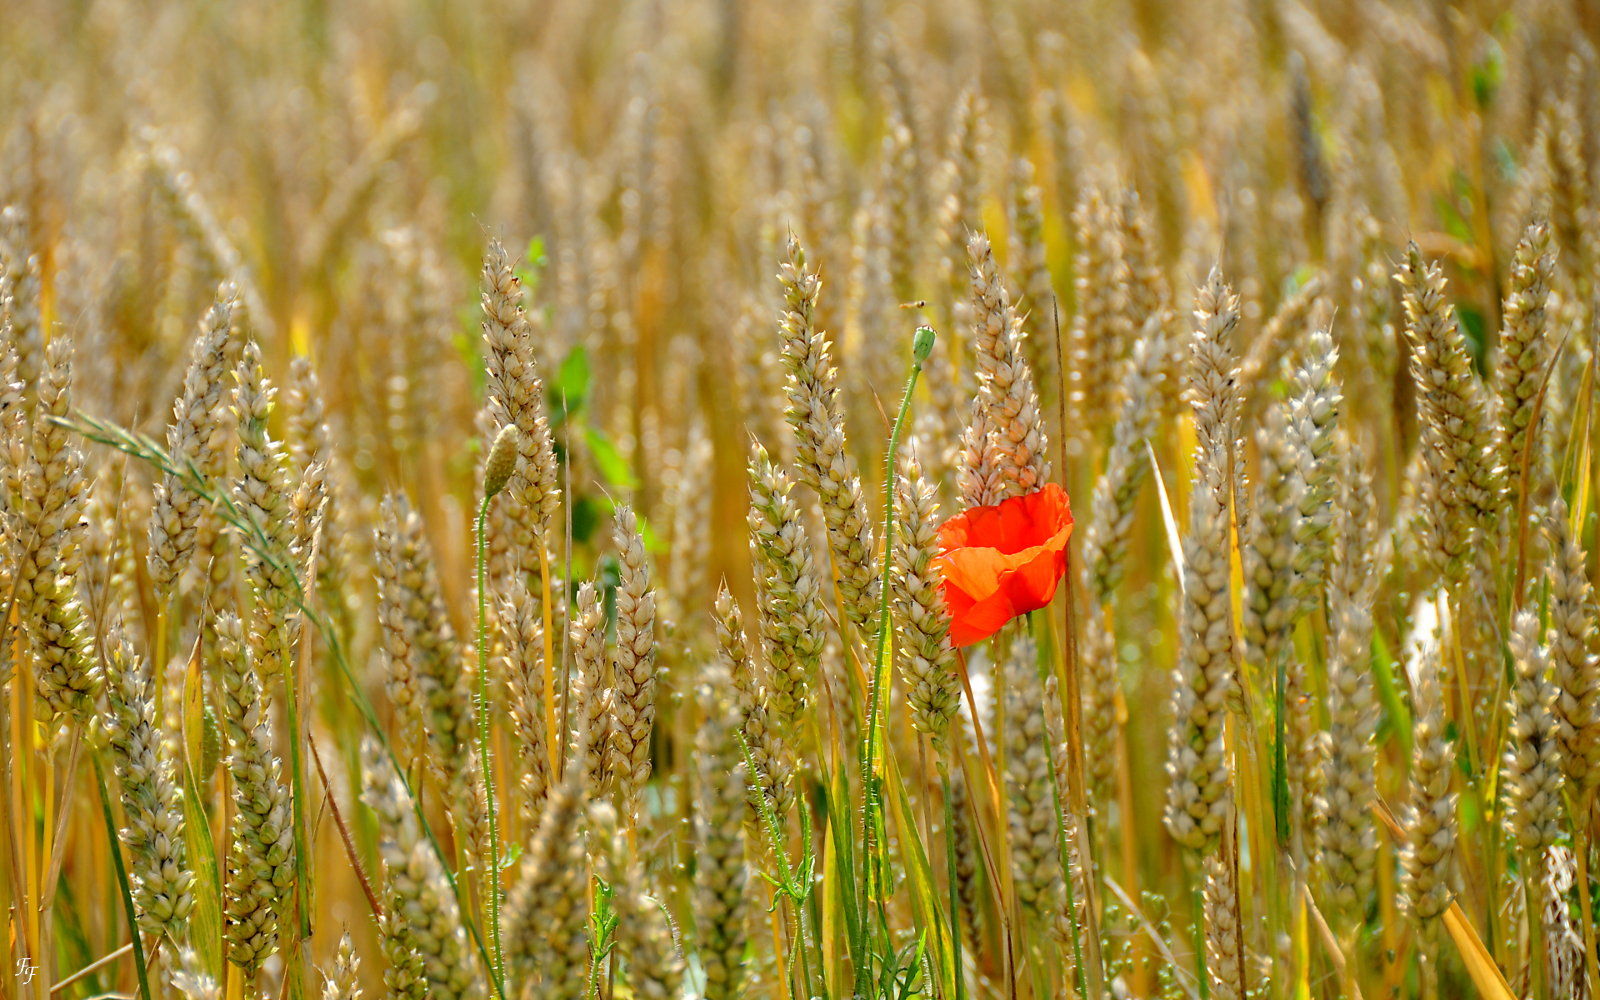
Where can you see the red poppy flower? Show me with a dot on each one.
(1003, 561)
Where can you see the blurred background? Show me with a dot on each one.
(644, 163)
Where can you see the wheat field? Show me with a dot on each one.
(962, 500)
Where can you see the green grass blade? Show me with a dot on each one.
(122, 876)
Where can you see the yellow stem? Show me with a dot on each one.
(1581, 830)
(22, 721)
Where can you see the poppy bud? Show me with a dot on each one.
(922, 346)
(502, 461)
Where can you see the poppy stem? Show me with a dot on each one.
(922, 347)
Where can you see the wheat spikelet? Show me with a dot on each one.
(591, 697)
(979, 460)
(1101, 330)
(522, 665)
(792, 621)
(1347, 840)
(199, 226)
(197, 438)
(820, 456)
(1456, 432)
(1313, 420)
(516, 398)
(407, 616)
(343, 980)
(1035, 859)
(1072, 915)
(1280, 332)
(405, 978)
(68, 676)
(1532, 775)
(1005, 439)
(769, 754)
(1197, 773)
(46, 493)
(969, 863)
(308, 507)
(1563, 938)
(1574, 667)
(1428, 853)
(759, 379)
(261, 850)
(1524, 353)
(153, 802)
(1029, 254)
(306, 430)
(1224, 960)
(902, 198)
(1270, 607)
(13, 429)
(960, 189)
(1564, 193)
(644, 935)
(425, 665)
(1116, 492)
(237, 688)
(721, 877)
(278, 542)
(189, 978)
(927, 661)
(634, 699)
(417, 891)
(1097, 652)
(689, 553)
(1148, 291)
(874, 359)
(21, 282)
(1106, 538)
(546, 940)
(341, 208)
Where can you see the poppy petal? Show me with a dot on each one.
(1003, 560)
(980, 619)
(1033, 585)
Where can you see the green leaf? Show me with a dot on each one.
(122, 877)
(841, 837)
(1297, 279)
(467, 345)
(653, 542)
(608, 459)
(1505, 161)
(1489, 72)
(1453, 210)
(588, 514)
(532, 267)
(571, 388)
(1396, 719)
(1475, 328)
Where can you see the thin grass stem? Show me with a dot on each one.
(492, 883)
